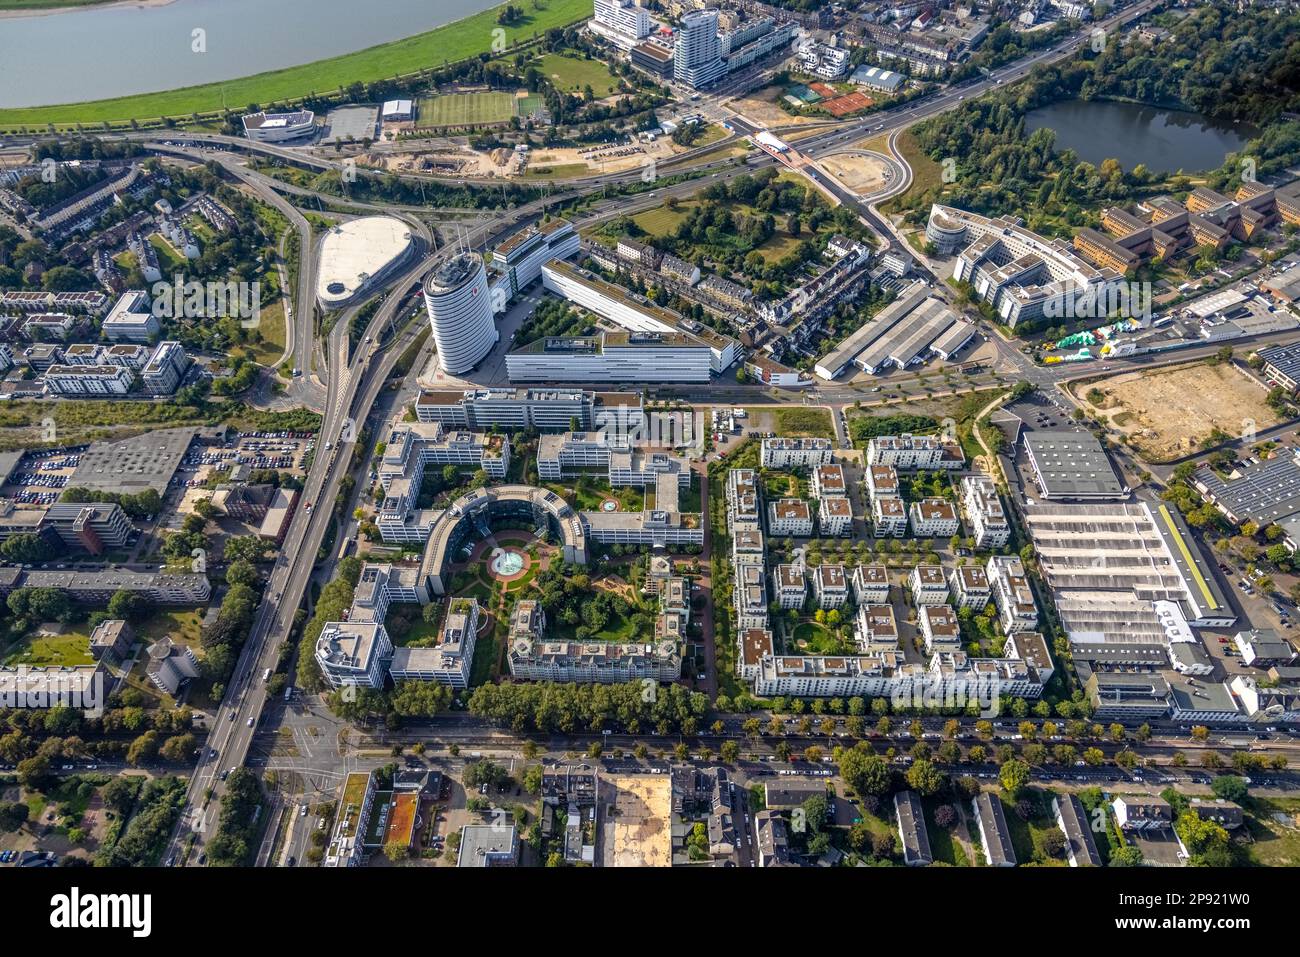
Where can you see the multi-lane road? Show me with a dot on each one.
(352, 383)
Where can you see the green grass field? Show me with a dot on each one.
(70, 648)
(573, 74)
(448, 44)
(466, 109)
(529, 105)
(663, 221)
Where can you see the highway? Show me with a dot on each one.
(352, 384)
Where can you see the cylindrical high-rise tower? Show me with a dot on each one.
(460, 312)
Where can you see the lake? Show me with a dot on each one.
(100, 52)
(1165, 140)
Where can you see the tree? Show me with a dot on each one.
(924, 778)
(864, 772)
(1013, 776)
(13, 816)
(129, 605)
(1229, 787)
(533, 779)
(34, 772)
(1126, 856)
(1054, 843)
(396, 851)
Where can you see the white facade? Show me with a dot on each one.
(697, 56)
(88, 380)
(933, 518)
(789, 517)
(783, 453)
(1017, 610)
(460, 313)
(278, 127)
(928, 585)
(984, 511)
(165, 369)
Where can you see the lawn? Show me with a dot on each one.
(573, 74)
(942, 846)
(467, 109)
(559, 171)
(926, 173)
(447, 44)
(70, 648)
(778, 247)
(821, 640)
(1275, 843)
(271, 330)
(1027, 836)
(800, 420)
(662, 221)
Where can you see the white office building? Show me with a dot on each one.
(131, 319)
(460, 312)
(622, 22)
(165, 369)
(697, 56)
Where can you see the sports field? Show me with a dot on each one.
(573, 74)
(466, 109)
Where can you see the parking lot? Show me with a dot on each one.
(40, 477)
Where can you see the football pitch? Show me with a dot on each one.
(466, 109)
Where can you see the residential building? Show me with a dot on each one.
(876, 629)
(940, 628)
(970, 587)
(111, 639)
(912, 834)
(789, 583)
(604, 662)
(1142, 813)
(697, 55)
(73, 381)
(1264, 648)
(803, 453)
(907, 451)
(928, 585)
(789, 516)
(834, 515)
(166, 368)
(991, 823)
(1031, 648)
(984, 512)
(1017, 609)
(1080, 848)
(623, 22)
(830, 586)
(934, 518)
(545, 410)
(346, 847)
(888, 516)
(871, 585)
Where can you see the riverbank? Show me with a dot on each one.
(454, 41)
(49, 8)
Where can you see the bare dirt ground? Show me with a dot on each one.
(862, 174)
(1165, 413)
(761, 107)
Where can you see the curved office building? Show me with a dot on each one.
(460, 312)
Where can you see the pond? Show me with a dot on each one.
(1165, 140)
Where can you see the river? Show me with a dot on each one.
(95, 53)
(1165, 140)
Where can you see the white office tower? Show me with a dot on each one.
(460, 312)
(622, 22)
(697, 57)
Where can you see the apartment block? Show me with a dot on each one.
(830, 586)
(984, 512)
(934, 518)
(940, 627)
(789, 516)
(928, 585)
(970, 587)
(888, 517)
(790, 585)
(804, 453)
(871, 585)
(1017, 610)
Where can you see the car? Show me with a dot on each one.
(291, 861)
(252, 721)
(302, 811)
(225, 774)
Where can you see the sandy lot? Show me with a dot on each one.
(862, 174)
(760, 108)
(1167, 412)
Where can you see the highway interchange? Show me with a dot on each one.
(343, 382)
